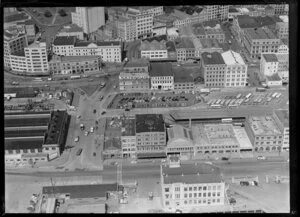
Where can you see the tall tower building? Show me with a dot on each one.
(217, 12)
(89, 18)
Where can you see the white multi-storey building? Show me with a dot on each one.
(126, 28)
(217, 12)
(144, 24)
(37, 57)
(90, 19)
(161, 76)
(128, 138)
(268, 64)
(282, 119)
(155, 10)
(154, 50)
(236, 69)
(189, 186)
(282, 28)
(110, 51)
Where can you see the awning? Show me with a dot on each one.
(152, 155)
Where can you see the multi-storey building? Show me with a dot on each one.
(14, 18)
(209, 45)
(128, 138)
(283, 66)
(155, 10)
(172, 33)
(89, 18)
(210, 29)
(233, 12)
(154, 50)
(74, 64)
(136, 65)
(190, 186)
(260, 40)
(236, 69)
(282, 28)
(264, 133)
(185, 49)
(14, 42)
(72, 30)
(281, 9)
(219, 12)
(150, 135)
(134, 81)
(214, 68)
(161, 76)
(283, 48)
(144, 25)
(110, 51)
(37, 58)
(115, 12)
(159, 28)
(268, 64)
(281, 117)
(183, 19)
(126, 28)
(183, 80)
(18, 62)
(30, 29)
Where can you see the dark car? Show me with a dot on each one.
(225, 158)
(79, 152)
(104, 112)
(244, 183)
(94, 111)
(232, 201)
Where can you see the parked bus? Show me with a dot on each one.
(233, 105)
(222, 101)
(232, 101)
(260, 89)
(248, 95)
(226, 120)
(216, 106)
(218, 101)
(238, 96)
(75, 77)
(274, 95)
(213, 101)
(227, 101)
(209, 102)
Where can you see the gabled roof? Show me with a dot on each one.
(270, 57)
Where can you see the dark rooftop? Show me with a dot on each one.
(270, 57)
(26, 122)
(23, 133)
(64, 40)
(113, 144)
(211, 23)
(128, 127)
(212, 58)
(26, 113)
(233, 10)
(17, 144)
(98, 43)
(149, 123)
(55, 127)
(246, 21)
(15, 17)
(182, 75)
(136, 63)
(170, 46)
(82, 191)
(161, 69)
(191, 9)
(283, 116)
(157, 38)
(191, 173)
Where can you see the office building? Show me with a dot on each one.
(236, 69)
(150, 135)
(260, 40)
(161, 76)
(90, 19)
(126, 28)
(264, 133)
(128, 138)
(214, 69)
(14, 42)
(281, 9)
(219, 12)
(37, 58)
(74, 64)
(144, 25)
(281, 117)
(191, 186)
(72, 30)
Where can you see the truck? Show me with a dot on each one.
(49, 79)
(102, 84)
(278, 95)
(218, 101)
(75, 77)
(227, 101)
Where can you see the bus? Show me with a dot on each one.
(213, 101)
(260, 89)
(233, 105)
(218, 101)
(238, 124)
(238, 96)
(248, 95)
(216, 106)
(226, 120)
(75, 77)
(278, 95)
(232, 101)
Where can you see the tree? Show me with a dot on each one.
(62, 13)
(48, 14)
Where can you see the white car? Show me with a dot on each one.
(86, 133)
(76, 139)
(133, 162)
(92, 129)
(261, 158)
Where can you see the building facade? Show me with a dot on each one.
(282, 119)
(219, 12)
(268, 64)
(161, 76)
(191, 186)
(74, 64)
(154, 50)
(150, 136)
(183, 81)
(282, 28)
(126, 28)
(90, 19)
(236, 69)
(134, 81)
(264, 134)
(214, 69)
(128, 138)
(37, 58)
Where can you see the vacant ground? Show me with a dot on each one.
(89, 89)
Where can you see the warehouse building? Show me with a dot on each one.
(264, 134)
(150, 136)
(189, 186)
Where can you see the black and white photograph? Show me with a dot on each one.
(147, 109)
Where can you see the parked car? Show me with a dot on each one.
(76, 139)
(244, 183)
(86, 133)
(225, 158)
(261, 158)
(79, 152)
(94, 111)
(104, 112)
(92, 129)
(232, 201)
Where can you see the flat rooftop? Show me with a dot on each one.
(182, 75)
(260, 33)
(191, 174)
(283, 116)
(64, 40)
(15, 17)
(23, 133)
(81, 191)
(242, 137)
(134, 75)
(180, 132)
(209, 43)
(17, 144)
(184, 42)
(161, 69)
(213, 134)
(128, 127)
(137, 63)
(246, 21)
(26, 122)
(112, 144)
(149, 123)
(232, 58)
(212, 58)
(55, 127)
(71, 28)
(263, 125)
(154, 45)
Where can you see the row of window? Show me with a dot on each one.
(196, 188)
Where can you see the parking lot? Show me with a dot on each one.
(246, 99)
(144, 100)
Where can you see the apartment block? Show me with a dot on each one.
(74, 64)
(264, 134)
(128, 138)
(189, 186)
(161, 76)
(214, 69)
(134, 81)
(183, 80)
(236, 69)
(282, 28)
(185, 49)
(150, 135)
(219, 12)
(90, 19)
(281, 116)
(268, 64)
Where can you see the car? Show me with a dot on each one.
(92, 129)
(94, 111)
(104, 112)
(133, 162)
(79, 152)
(78, 116)
(76, 139)
(100, 98)
(127, 109)
(86, 133)
(261, 158)
(178, 211)
(225, 158)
